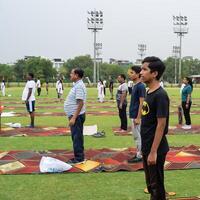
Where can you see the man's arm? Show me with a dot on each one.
(77, 112)
(156, 142)
(29, 94)
(122, 99)
(138, 119)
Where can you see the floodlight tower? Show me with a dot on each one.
(180, 28)
(141, 50)
(95, 23)
(175, 53)
(98, 53)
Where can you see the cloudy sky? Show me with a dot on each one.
(58, 28)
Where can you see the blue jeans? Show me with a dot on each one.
(77, 137)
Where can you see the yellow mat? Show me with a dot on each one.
(87, 165)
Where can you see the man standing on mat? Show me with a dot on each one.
(74, 107)
(154, 127)
(137, 98)
(28, 96)
(121, 98)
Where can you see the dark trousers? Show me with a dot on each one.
(129, 90)
(39, 91)
(77, 137)
(123, 116)
(154, 175)
(186, 112)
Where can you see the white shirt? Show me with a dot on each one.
(29, 85)
(130, 83)
(161, 84)
(38, 84)
(2, 86)
(57, 84)
(104, 83)
(78, 91)
(60, 88)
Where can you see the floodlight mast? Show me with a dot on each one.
(180, 28)
(95, 23)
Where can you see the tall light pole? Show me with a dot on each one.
(141, 50)
(180, 28)
(175, 53)
(98, 53)
(95, 23)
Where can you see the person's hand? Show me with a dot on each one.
(137, 121)
(152, 157)
(187, 105)
(72, 121)
(26, 101)
(120, 106)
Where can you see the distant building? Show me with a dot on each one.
(57, 63)
(28, 57)
(195, 78)
(120, 62)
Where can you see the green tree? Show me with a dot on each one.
(84, 62)
(6, 72)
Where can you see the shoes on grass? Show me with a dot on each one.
(99, 134)
(186, 127)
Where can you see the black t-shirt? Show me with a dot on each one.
(155, 105)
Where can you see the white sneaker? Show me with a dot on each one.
(186, 127)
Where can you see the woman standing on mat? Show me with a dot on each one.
(187, 101)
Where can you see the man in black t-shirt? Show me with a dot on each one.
(154, 127)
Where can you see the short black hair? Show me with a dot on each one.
(123, 76)
(79, 72)
(31, 75)
(155, 64)
(189, 81)
(136, 69)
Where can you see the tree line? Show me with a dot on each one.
(43, 69)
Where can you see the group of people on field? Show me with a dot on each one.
(148, 111)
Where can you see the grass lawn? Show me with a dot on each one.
(90, 186)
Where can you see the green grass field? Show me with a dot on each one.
(90, 186)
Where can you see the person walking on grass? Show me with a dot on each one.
(3, 88)
(74, 108)
(121, 98)
(111, 86)
(38, 85)
(187, 101)
(60, 89)
(154, 127)
(101, 91)
(47, 87)
(28, 96)
(137, 98)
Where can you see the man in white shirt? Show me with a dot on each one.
(3, 88)
(28, 96)
(57, 82)
(38, 85)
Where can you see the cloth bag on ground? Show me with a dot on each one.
(53, 165)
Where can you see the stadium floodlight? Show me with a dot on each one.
(141, 50)
(180, 28)
(95, 23)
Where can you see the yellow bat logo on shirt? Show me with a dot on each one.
(145, 108)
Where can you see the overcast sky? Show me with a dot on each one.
(58, 28)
